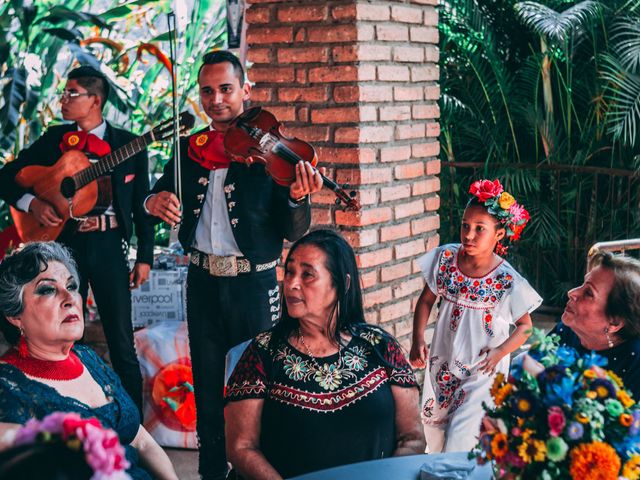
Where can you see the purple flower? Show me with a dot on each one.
(575, 431)
(635, 424)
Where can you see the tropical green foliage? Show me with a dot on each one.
(545, 96)
(41, 40)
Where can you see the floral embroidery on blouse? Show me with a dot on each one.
(485, 292)
(273, 369)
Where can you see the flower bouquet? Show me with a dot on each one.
(560, 415)
(102, 449)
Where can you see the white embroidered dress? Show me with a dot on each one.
(473, 314)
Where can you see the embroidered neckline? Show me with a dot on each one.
(471, 276)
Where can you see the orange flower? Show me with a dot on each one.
(590, 374)
(625, 398)
(499, 445)
(73, 140)
(594, 461)
(626, 420)
(201, 140)
(582, 418)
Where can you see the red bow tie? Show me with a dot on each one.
(86, 142)
(207, 149)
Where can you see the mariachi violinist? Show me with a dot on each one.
(233, 220)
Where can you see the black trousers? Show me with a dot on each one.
(221, 313)
(102, 263)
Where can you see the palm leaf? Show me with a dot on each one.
(556, 25)
(623, 94)
(625, 37)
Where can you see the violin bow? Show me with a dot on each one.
(177, 166)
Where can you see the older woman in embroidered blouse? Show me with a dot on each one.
(322, 388)
(41, 314)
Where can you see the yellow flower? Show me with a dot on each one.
(590, 374)
(594, 461)
(73, 140)
(615, 378)
(506, 200)
(631, 469)
(502, 394)
(497, 383)
(625, 399)
(533, 450)
(201, 140)
(592, 395)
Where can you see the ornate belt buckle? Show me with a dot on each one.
(223, 266)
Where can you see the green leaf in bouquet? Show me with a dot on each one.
(529, 382)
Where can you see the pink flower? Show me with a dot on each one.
(513, 459)
(556, 421)
(486, 189)
(519, 213)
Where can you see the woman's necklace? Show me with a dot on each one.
(67, 369)
(312, 356)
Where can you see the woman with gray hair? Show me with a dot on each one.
(44, 372)
(603, 315)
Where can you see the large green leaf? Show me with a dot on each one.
(68, 34)
(60, 14)
(556, 25)
(14, 94)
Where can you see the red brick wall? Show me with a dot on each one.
(359, 80)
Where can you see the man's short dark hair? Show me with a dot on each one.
(221, 56)
(92, 80)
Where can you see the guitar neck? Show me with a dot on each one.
(109, 162)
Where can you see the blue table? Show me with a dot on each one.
(407, 468)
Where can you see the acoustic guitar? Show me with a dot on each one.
(71, 184)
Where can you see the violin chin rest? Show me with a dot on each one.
(250, 114)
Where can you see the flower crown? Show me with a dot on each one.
(502, 206)
(102, 449)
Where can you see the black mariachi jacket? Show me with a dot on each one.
(129, 180)
(260, 213)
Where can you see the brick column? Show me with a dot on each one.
(359, 80)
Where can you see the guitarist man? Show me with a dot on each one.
(100, 242)
(234, 219)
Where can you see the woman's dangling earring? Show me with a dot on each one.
(23, 351)
(609, 341)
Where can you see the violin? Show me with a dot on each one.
(256, 136)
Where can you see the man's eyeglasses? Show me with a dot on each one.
(67, 95)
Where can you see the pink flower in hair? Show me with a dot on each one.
(519, 213)
(486, 189)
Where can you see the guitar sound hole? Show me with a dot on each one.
(68, 187)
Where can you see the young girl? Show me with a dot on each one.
(481, 296)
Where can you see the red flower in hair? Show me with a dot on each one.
(486, 189)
